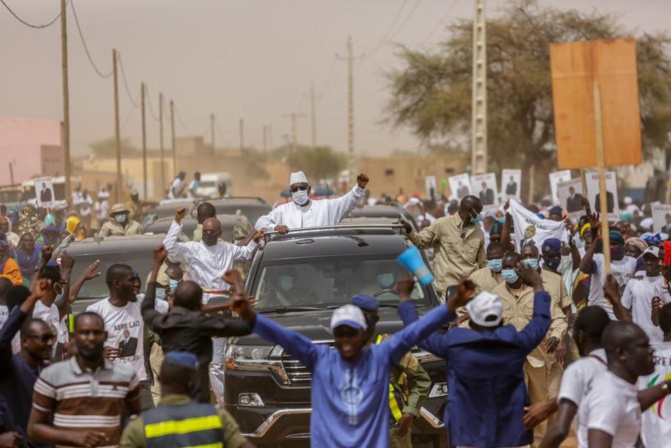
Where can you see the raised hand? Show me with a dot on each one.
(160, 254)
(91, 271)
(180, 214)
(529, 275)
(41, 287)
(47, 253)
(234, 279)
(362, 180)
(67, 262)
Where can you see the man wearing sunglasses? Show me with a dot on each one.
(19, 372)
(350, 385)
(303, 212)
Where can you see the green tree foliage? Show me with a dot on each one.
(431, 92)
(107, 148)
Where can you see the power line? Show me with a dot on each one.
(125, 81)
(46, 25)
(86, 48)
(181, 122)
(387, 38)
(405, 21)
(151, 106)
(383, 40)
(441, 21)
(330, 79)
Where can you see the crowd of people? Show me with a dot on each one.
(543, 334)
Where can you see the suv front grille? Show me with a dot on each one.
(298, 374)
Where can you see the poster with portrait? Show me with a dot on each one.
(555, 178)
(431, 188)
(511, 184)
(529, 227)
(571, 198)
(594, 196)
(661, 218)
(460, 186)
(44, 192)
(484, 187)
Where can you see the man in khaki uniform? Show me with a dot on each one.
(458, 241)
(542, 370)
(119, 224)
(409, 383)
(134, 206)
(485, 279)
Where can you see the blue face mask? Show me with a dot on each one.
(496, 265)
(531, 262)
(120, 218)
(285, 283)
(173, 285)
(385, 280)
(160, 293)
(509, 275)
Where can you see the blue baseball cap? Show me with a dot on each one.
(182, 359)
(366, 302)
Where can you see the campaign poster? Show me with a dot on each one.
(44, 192)
(661, 218)
(484, 187)
(594, 195)
(431, 187)
(529, 227)
(555, 178)
(511, 184)
(460, 186)
(571, 198)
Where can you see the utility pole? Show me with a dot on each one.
(66, 101)
(117, 129)
(294, 130)
(313, 106)
(144, 141)
(350, 106)
(265, 139)
(242, 136)
(212, 134)
(270, 136)
(160, 119)
(172, 127)
(479, 107)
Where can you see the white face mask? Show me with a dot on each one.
(300, 197)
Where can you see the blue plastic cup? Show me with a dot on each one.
(412, 260)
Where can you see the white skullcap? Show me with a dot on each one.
(485, 309)
(298, 178)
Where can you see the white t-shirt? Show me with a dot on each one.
(160, 305)
(193, 186)
(623, 271)
(175, 187)
(51, 317)
(638, 298)
(16, 341)
(656, 425)
(125, 331)
(612, 407)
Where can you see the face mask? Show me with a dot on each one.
(496, 265)
(509, 275)
(120, 218)
(552, 263)
(300, 197)
(477, 220)
(531, 262)
(209, 239)
(173, 285)
(385, 280)
(91, 352)
(160, 294)
(285, 283)
(616, 253)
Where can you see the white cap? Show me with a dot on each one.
(652, 250)
(298, 178)
(414, 201)
(485, 309)
(627, 200)
(349, 315)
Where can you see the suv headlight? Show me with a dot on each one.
(256, 357)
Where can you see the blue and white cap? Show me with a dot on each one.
(349, 315)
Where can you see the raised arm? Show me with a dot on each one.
(586, 265)
(176, 251)
(341, 206)
(505, 232)
(148, 307)
(243, 253)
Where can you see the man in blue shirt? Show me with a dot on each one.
(485, 367)
(19, 372)
(350, 385)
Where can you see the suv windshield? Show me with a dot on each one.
(329, 282)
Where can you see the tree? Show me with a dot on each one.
(431, 92)
(107, 148)
(320, 162)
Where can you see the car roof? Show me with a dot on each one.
(227, 220)
(381, 211)
(113, 244)
(238, 200)
(360, 241)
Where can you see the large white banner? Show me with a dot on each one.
(528, 227)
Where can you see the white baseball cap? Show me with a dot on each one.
(652, 250)
(298, 178)
(349, 315)
(485, 309)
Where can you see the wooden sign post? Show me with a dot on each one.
(596, 110)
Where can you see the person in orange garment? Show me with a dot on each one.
(8, 266)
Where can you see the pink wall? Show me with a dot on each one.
(21, 143)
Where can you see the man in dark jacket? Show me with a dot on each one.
(187, 328)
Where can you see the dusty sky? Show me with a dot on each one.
(251, 59)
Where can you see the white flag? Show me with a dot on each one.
(528, 227)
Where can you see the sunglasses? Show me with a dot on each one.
(295, 188)
(44, 338)
(345, 332)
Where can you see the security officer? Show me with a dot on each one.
(409, 383)
(192, 423)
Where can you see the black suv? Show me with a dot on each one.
(298, 280)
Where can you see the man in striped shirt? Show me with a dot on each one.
(79, 402)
